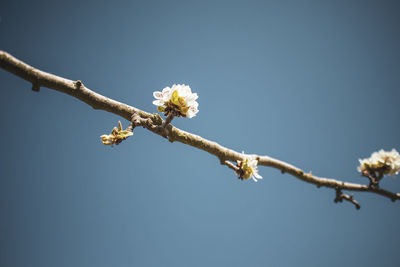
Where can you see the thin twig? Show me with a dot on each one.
(231, 165)
(340, 196)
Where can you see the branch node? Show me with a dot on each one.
(148, 123)
(170, 138)
(156, 118)
(130, 127)
(165, 125)
(222, 160)
(78, 84)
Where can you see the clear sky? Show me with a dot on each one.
(313, 83)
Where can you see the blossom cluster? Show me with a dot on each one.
(177, 100)
(248, 168)
(386, 162)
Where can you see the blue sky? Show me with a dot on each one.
(313, 83)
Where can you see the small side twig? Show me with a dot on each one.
(165, 123)
(374, 176)
(130, 127)
(340, 196)
(168, 119)
(35, 87)
(231, 165)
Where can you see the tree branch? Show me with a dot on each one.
(153, 122)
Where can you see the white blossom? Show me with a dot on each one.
(178, 100)
(386, 161)
(248, 168)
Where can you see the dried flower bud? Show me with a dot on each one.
(116, 136)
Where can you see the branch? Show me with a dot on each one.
(155, 124)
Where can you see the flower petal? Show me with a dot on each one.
(166, 90)
(191, 97)
(158, 102)
(257, 175)
(157, 95)
(192, 112)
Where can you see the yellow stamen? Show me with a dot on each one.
(184, 110)
(175, 98)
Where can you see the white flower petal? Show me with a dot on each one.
(190, 114)
(158, 102)
(157, 95)
(192, 103)
(257, 175)
(191, 98)
(184, 91)
(166, 90)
